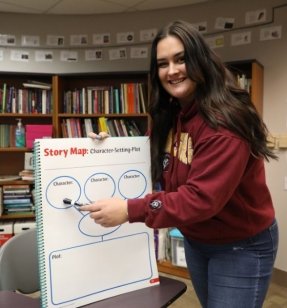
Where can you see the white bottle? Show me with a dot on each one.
(20, 135)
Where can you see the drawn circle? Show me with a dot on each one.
(62, 187)
(132, 184)
(99, 186)
(88, 227)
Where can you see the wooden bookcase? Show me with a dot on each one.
(254, 73)
(12, 159)
(70, 82)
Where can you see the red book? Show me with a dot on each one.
(37, 131)
(131, 97)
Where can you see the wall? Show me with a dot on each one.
(272, 54)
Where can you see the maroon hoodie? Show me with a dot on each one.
(214, 190)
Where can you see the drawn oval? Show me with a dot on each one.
(132, 184)
(98, 186)
(88, 227)
(62, 187)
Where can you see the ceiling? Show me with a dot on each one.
(72, 7)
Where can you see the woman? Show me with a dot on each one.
(208, 149)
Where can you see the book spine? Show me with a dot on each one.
(39, 224)
(17, 201)
(1, 202)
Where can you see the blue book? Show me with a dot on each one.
(116, 101)
(18, 205)
(17, 201)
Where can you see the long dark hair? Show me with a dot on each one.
(220, 100)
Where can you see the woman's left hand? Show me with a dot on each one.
(99, 136)
(108, 212)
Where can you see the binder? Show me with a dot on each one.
(81, 262)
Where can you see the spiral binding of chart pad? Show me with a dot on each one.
(39, 222)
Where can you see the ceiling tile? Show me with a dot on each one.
(75, 7)
(86, 7)
(26, 6)
(160, 4)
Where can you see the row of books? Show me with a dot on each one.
(25, 100)
(77, 128)
(119, 127)
(16, 198)
(129, 98)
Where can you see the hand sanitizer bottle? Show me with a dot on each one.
(20, 135)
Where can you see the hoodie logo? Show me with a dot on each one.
(183, 151)
(155, 204)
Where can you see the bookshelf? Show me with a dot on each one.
(79, 85)
(13, 84)
(252, 72)
(20, 99)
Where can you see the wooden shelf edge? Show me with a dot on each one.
(106, 115)
(14, 149)
(26, 115)
(168, 268)
(16, 182)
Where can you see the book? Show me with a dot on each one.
(28, 161)
(103, 126)
(117, 106)
(16, 189)
(17, 201)
(36, 131)
(44, 101)
(37, 85)
(111, 127)
(88, 125)
(80, 261)
(27, 175)
(142, 98)
(130, 97)
(4, 93)
(17, 196)
(19, 208)
(124, 128)
(1, 201)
